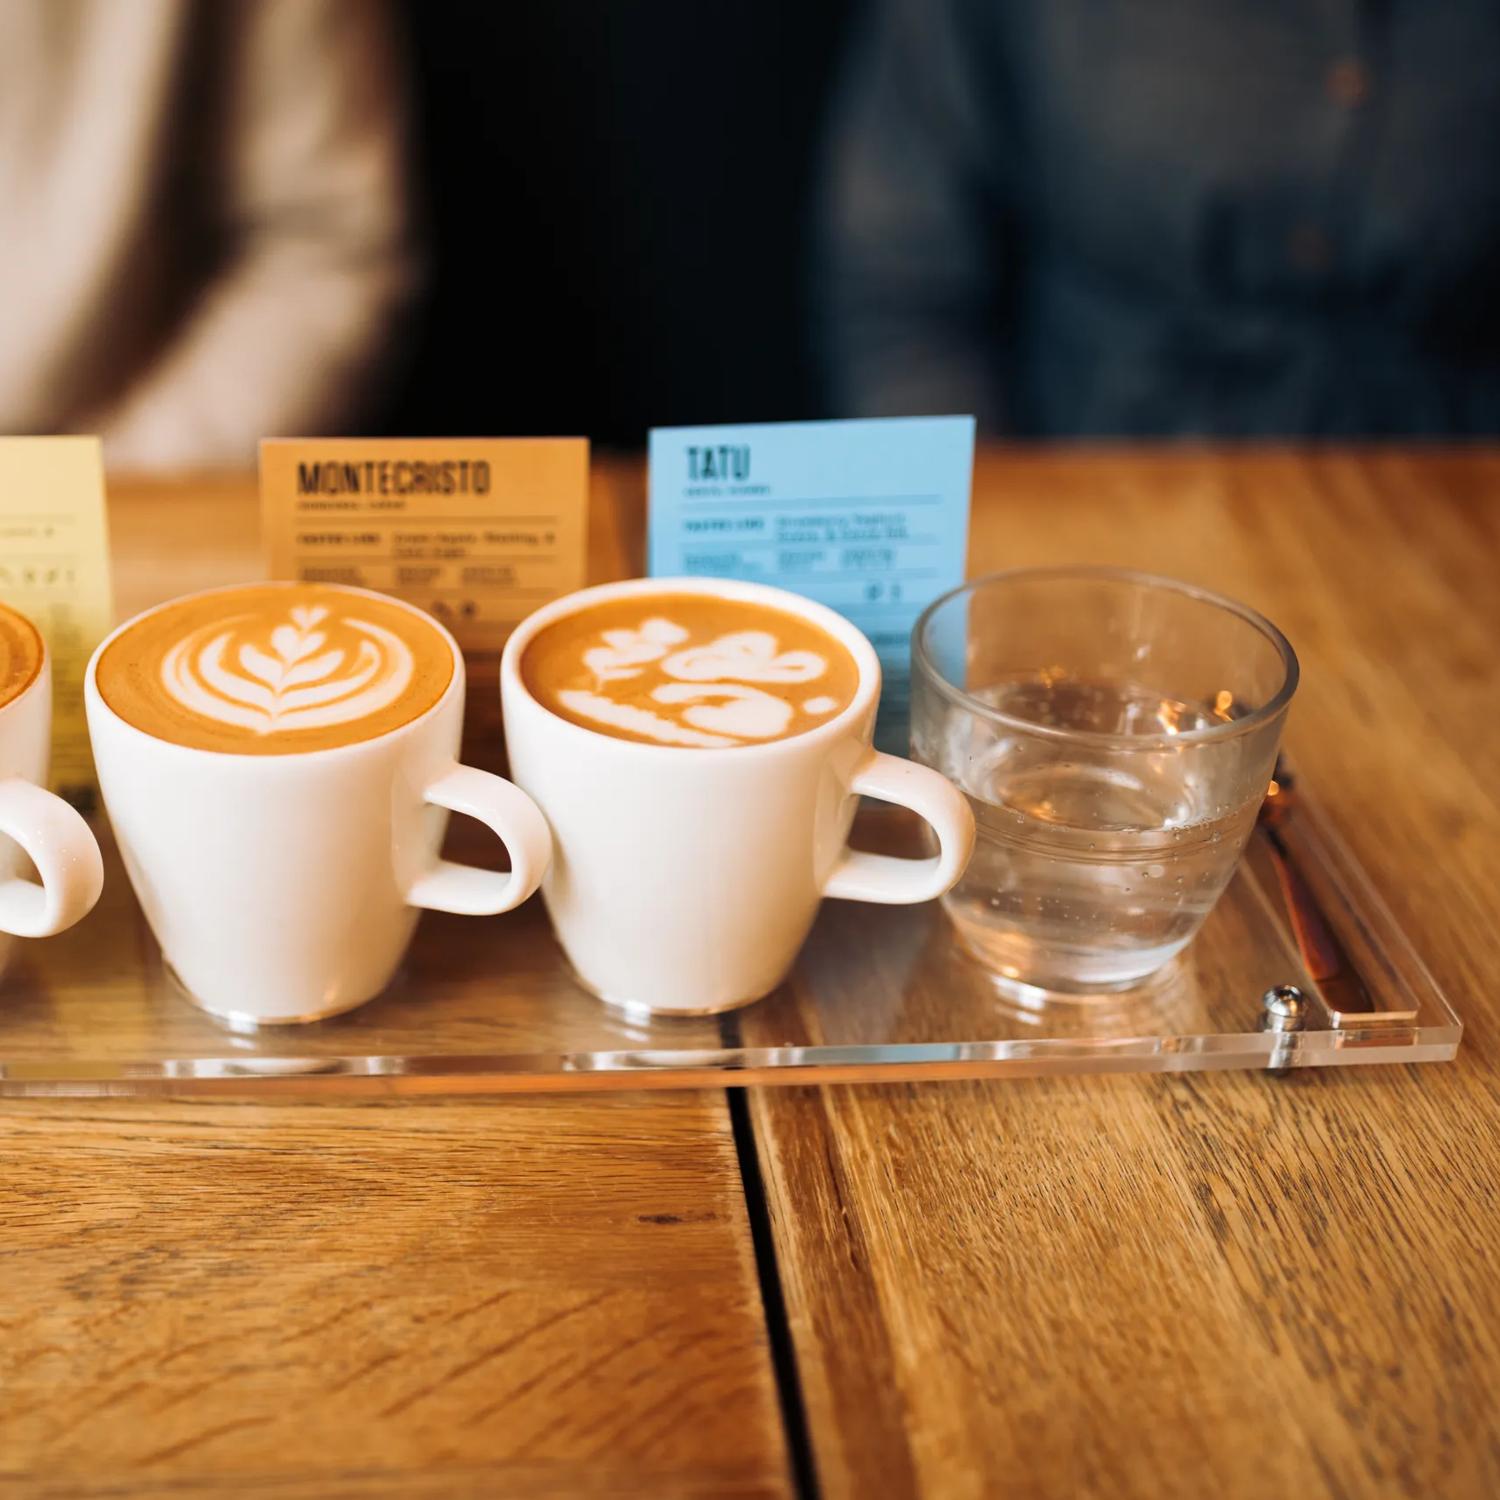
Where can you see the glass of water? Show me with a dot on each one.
(1115, 734)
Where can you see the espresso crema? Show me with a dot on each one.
(20, 654)
(690, 670)
(275, 669)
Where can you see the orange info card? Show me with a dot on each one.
(478, 531)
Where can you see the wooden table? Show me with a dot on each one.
(1174, 1285)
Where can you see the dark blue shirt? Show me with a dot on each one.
(1169, 217)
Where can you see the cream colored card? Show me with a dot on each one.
(54, 568)
(478, 531)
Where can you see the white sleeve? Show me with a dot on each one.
(308, 189)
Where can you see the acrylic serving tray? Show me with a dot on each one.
(880, 993)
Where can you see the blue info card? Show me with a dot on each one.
(869, 517)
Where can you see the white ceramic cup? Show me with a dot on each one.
(286, 887)
(685, 880)
(54, 837)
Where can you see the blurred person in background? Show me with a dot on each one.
(203, 222)
(1163, 218)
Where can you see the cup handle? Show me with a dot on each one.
(899, 882)
(61, 846)
(513, 818)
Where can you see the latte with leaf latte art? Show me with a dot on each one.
(275, 669)
(692, 671)
(20, 654)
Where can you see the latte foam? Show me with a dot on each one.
(694, 671)
(20, 654)
(275, 669)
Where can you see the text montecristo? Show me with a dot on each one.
(386, 476)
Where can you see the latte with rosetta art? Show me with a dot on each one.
(694, 671)
(275, 669)
(20, 654)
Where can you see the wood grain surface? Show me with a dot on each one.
(318, 1301)
(1235, 1285)
(333, 1300)
(1169, 1286)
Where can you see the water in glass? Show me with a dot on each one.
(1094, 865)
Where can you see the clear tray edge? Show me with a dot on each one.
(729, 1067)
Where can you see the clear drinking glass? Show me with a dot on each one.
(1115, 733)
